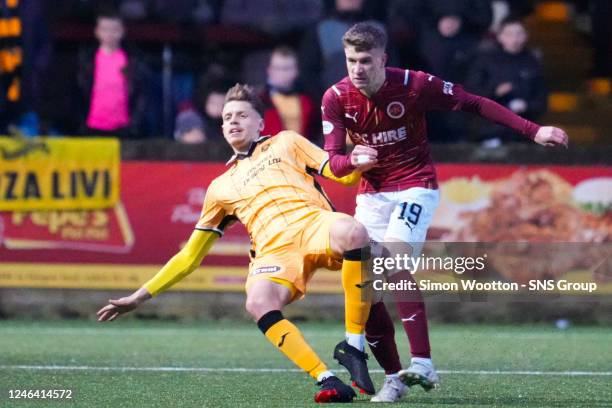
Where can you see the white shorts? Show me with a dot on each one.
(400, 215)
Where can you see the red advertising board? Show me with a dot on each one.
(161, 202)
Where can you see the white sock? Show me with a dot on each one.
(356, 340)
(421, 360)
(324, 375)
(396, 375)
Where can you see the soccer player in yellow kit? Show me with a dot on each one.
(269, 187)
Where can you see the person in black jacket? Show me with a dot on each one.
(477, 15)
(321, 54)
(511, 75)
(448, 52)
(111, 80)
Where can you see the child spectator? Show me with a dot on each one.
(111, 81)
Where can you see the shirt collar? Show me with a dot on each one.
(240, 156)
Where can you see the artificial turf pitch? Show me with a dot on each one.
(229, 364)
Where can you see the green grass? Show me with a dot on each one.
(239, 344)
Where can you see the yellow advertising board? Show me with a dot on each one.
(129, 277)
(59, 173)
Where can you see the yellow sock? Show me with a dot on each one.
(285, 336)
(357, 292)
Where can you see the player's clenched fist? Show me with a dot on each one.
(551, 136)
(364, 158)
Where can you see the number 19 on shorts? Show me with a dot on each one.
(410, 213)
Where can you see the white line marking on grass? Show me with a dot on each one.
(543, 373)
(286, 370)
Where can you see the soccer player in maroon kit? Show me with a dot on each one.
(382, 110)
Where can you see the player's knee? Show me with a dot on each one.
(259, 307)
(357, 236)
(348, 234)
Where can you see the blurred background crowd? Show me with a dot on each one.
(144, 69)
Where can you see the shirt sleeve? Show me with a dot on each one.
(335, 134)
(213, 217)
(312, 155)
(437, 94)
(183, 263)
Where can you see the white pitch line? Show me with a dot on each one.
(286, 370)
(544, 373)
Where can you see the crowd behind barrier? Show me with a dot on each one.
(177, 60)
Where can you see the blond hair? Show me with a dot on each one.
(245, 93)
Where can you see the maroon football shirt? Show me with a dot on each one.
(393, 122)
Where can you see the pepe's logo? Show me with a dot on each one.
(26, 148)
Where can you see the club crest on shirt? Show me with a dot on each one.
(395, 110)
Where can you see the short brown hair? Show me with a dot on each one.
(246, 93)
(365, 36)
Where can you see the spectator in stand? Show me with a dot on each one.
(404, 20)
(322, 61)
(409, 21)
(448, 51)
(510, 75)
(189, 128)
(287, 108)
(200, 121)
(477, 14)
(111, 80)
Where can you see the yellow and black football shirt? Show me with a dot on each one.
(268, 189)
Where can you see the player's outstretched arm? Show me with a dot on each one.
(181, 265)
(440, 95)
(494, 112)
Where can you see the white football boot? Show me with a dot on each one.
(392, 390)
(421, 372)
